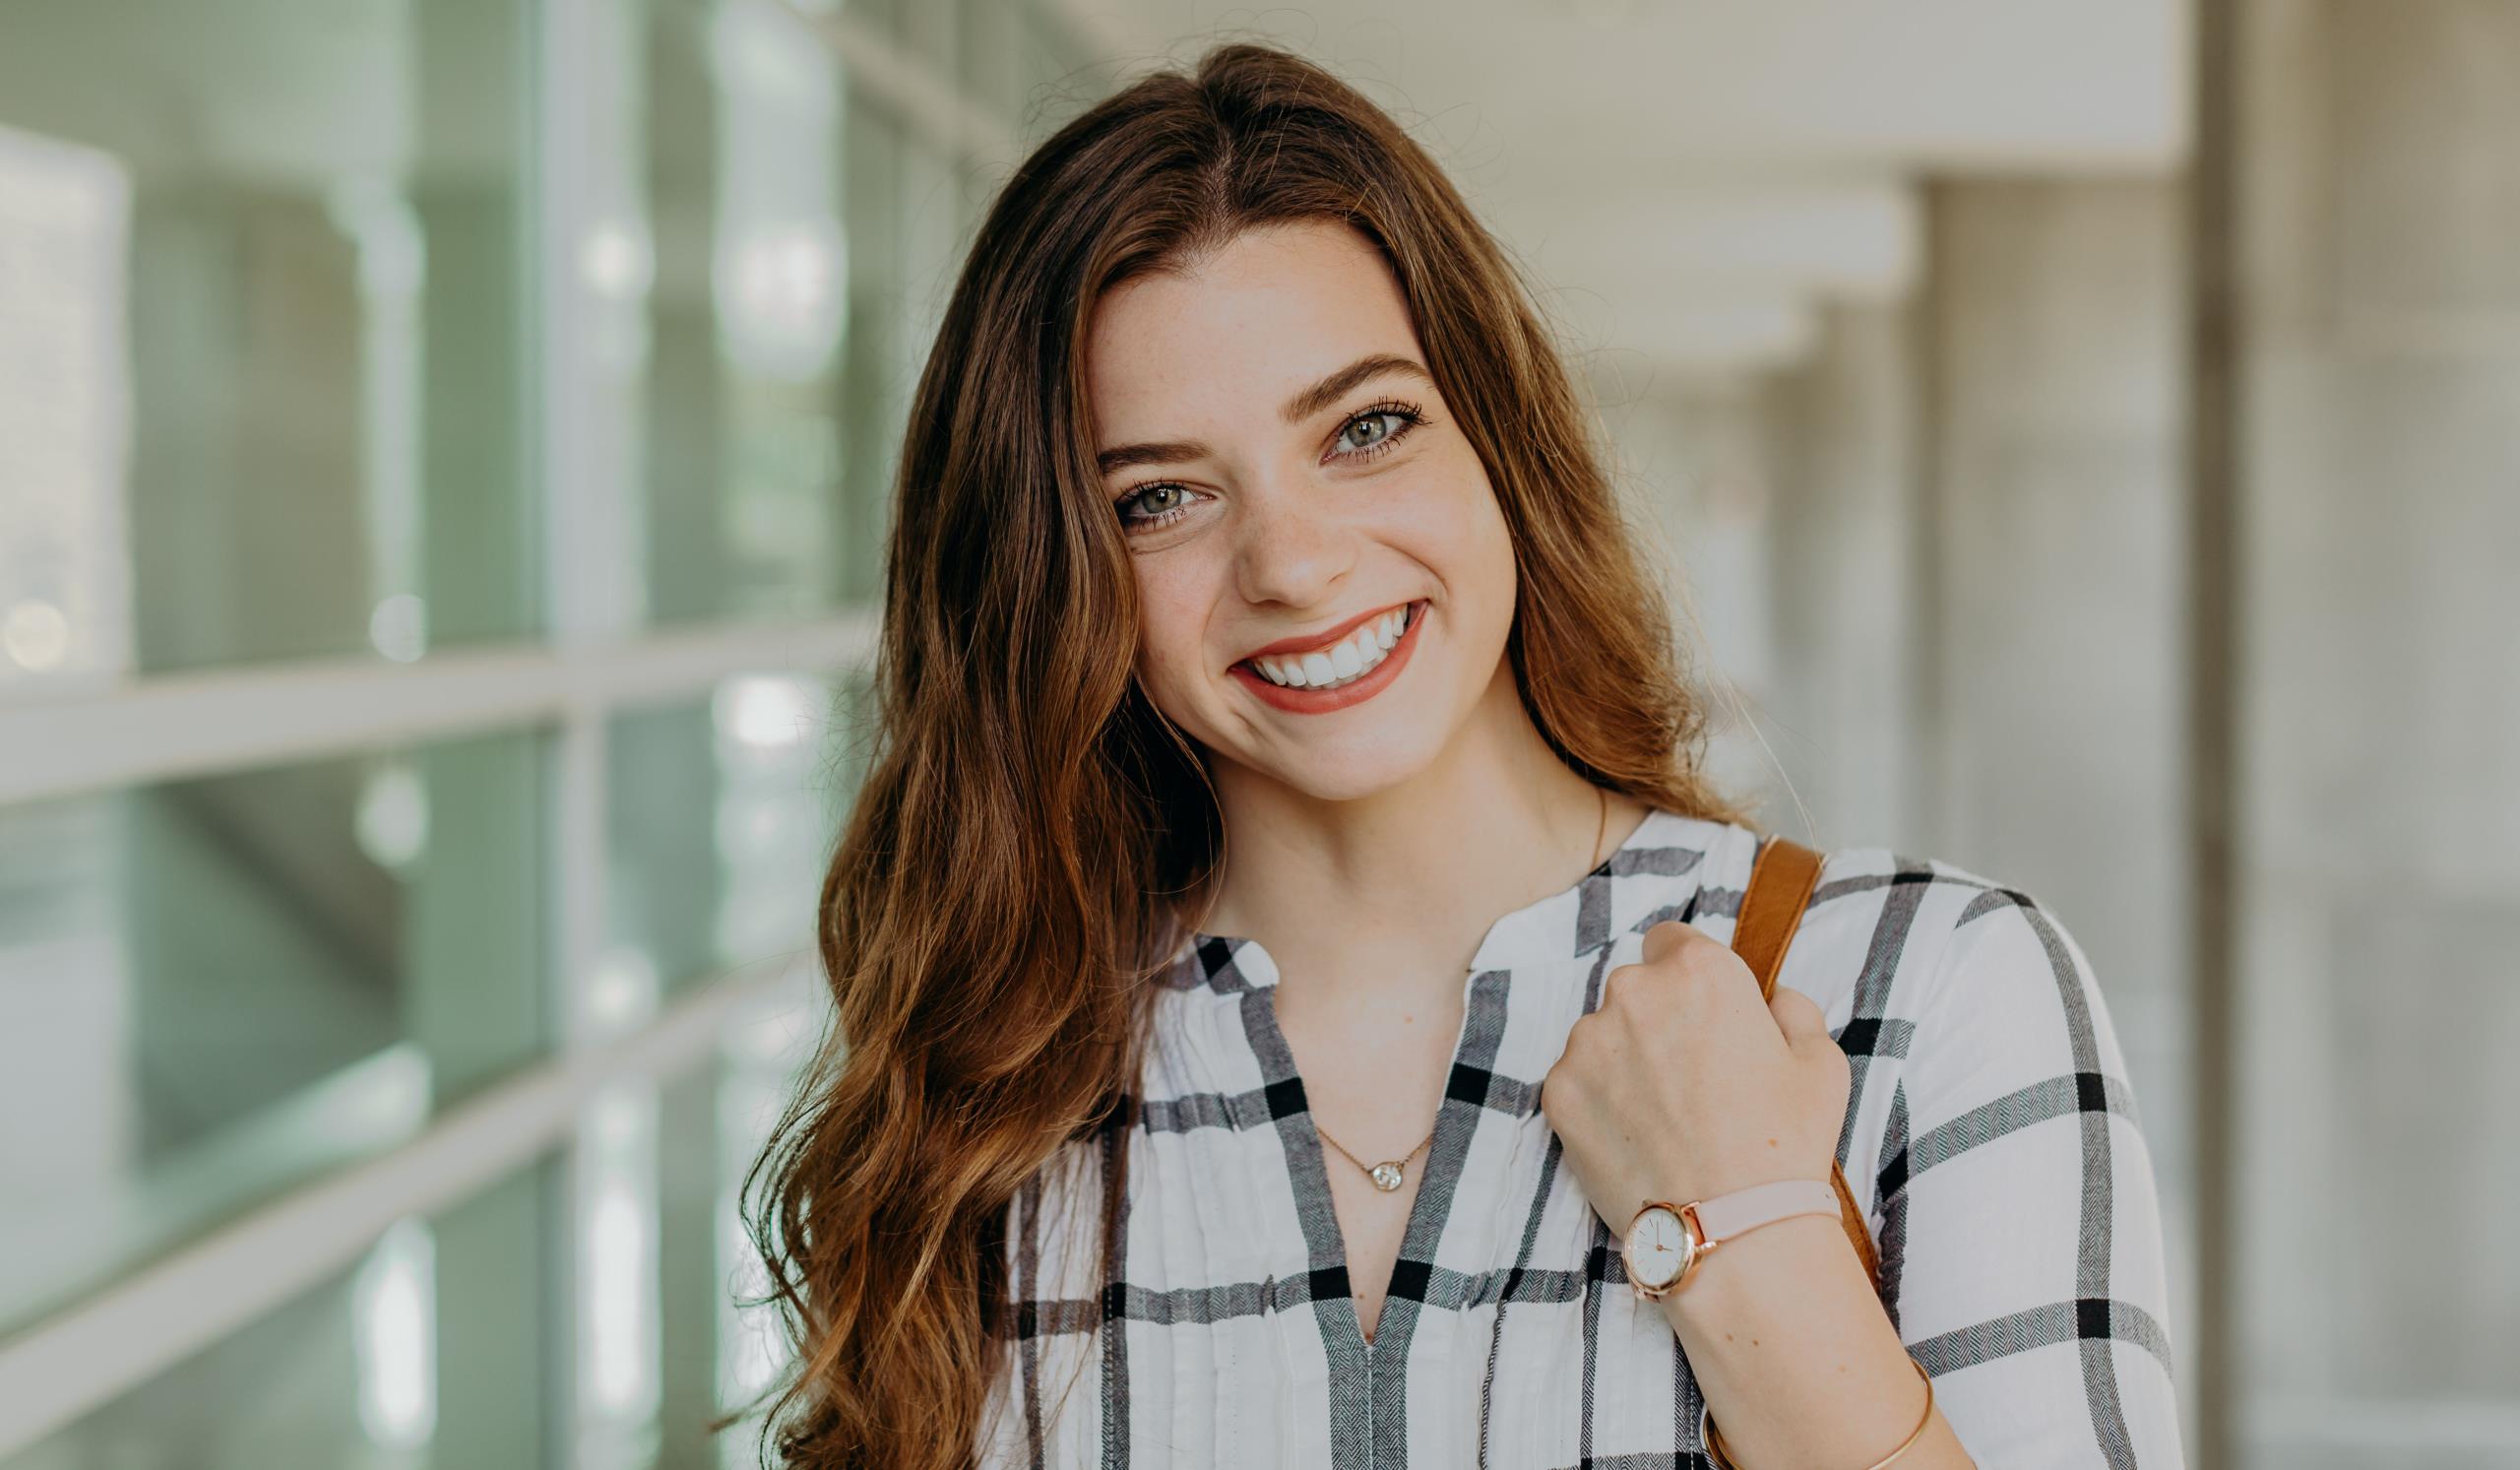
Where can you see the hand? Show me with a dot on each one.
(1682, 1086)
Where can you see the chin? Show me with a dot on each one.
(1356, 763)
(1344, 783)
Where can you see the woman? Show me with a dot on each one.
(1280, 941)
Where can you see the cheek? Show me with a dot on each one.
(1489, 545)
(1168, 632)
(1459, 530)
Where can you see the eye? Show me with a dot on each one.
(1374, 431)
(1156, 505)
(1367, 431)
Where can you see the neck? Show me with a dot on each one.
(1410, 878)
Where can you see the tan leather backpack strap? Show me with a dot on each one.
(1782, 878)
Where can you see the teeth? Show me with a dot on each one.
(1352, 658)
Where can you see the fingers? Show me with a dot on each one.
(1806, 1036)
(1799, 1019)
(1706, 970)
(1664, 939)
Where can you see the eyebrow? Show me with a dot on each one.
(1298, 409)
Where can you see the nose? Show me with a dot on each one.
(1291, 548)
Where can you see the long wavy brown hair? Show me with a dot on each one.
(1033, 841)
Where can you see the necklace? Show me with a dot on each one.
(1387, 1175)
(1390, 1173)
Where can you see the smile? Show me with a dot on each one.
(1349, 669)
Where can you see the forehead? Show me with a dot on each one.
(1240, 330)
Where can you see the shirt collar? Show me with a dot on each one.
(1650, 876)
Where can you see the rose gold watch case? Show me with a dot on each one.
(1694, 1248)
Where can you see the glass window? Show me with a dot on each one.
(886, 348)
(261, 273)
(213, 990)
(744, 505)
(367, 328)
(722, 814)
(437, 1349)
(585, 1310)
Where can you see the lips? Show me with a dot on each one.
(1355, 669)
(1304, 643)
(1351, 657)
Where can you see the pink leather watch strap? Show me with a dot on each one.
(1728, 1215)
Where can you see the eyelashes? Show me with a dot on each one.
(1404, 417)
(1409, 415)
(1133, 524)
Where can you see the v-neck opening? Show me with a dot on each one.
(1378, 1366)
(1417, 1223)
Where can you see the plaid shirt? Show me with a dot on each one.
(1991, 1135)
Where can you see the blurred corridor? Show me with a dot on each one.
(444, 461)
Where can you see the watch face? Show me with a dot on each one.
(1658, 1246)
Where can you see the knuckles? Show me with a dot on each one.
(1682, 963)
(1650, 1006)
(1595, 1053)
(1589, 1043)
(1837, 1071)
(1659, 1008)
(1567, 1080)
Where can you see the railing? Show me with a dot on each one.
(123, 1335)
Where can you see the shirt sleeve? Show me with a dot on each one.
(2016, 1207)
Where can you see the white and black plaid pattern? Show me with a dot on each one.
(1991, 1135)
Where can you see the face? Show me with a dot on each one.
(1325, 581)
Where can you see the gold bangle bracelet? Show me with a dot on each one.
(1723, 1457)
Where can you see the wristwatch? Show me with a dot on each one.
(1666, 1241)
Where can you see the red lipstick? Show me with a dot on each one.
(1323, 701)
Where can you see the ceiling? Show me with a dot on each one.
(1695, 178)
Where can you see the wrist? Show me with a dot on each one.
(1665, 1244)
(1793, 1351)
(1802, 1258)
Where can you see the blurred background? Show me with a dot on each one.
(444, 453)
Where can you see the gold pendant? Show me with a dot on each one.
(1386, 1175)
